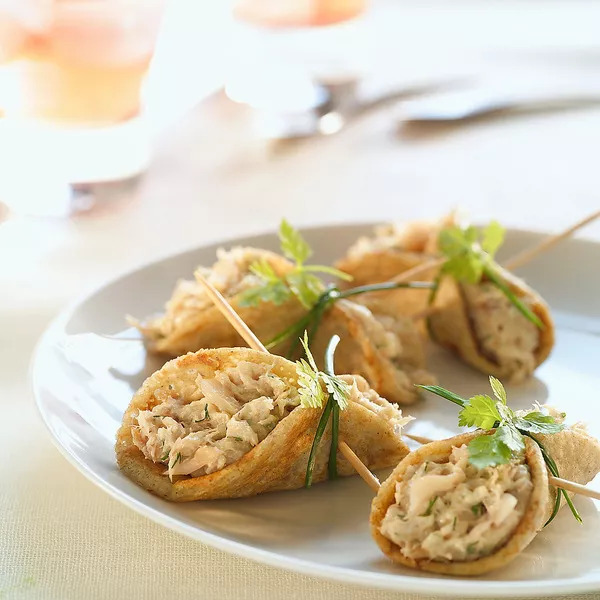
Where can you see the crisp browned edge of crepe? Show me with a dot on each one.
(451, 326)
(532, 521)
(209, 324)
(276, 463)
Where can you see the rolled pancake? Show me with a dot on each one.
(566, 448)
(387, 350)
(490, 334)
(191, 321)
(278, 462)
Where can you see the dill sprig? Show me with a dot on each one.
(507, 441)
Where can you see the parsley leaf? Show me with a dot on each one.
(492, 238)
(498, 389)
(311, 380)
(487, 451)
(299, 282)
(469, 257)
(511, 437)
(536, 422)
(293, 245)
(480, 412)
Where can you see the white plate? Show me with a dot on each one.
(83, 383)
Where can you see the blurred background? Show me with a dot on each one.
(134, 129)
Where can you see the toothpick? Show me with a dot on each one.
(234, 319)
(530, 253)
(418, 270)
(571, 486)
(360, 466)
(250, 338)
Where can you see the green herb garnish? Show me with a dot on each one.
(302, 283)
(477, 509)
(469, 256)
(471, 548)
(429, 509)
(507, 441)
(299, 282)
(206, 415)
(312, 319)
(177, 459)
(312, 395)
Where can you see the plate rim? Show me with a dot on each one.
(447, 587)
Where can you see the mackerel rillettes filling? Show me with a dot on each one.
(396, 339)
(452, 511)
(199, 427)
(503, 333)
(231, 275)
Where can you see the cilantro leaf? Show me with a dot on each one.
(276, 292)
(492, 238)
(299, 281)
(338, 388)
(469, 257)
(488, 451)
(513, 438)
(498, 389)
(293, 245)
(310, 389)
(311, 380)
(480, 412)
(305, 286)
(537, 422)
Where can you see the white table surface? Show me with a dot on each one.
(62, 538)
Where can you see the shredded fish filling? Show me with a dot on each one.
(452, 511)
(417, 236)
(504, 334)
(216, 423)
(230, 275)
(397, 339)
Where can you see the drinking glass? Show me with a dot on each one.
(71, 74)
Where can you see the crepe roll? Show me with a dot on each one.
(437, 512)
(391, 251)
(480, 324)
(191, 321)
(227, 423)
(386, 349)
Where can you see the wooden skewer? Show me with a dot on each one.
(530, 253)
(250, 338)
(410, 274)
(360, 466)
(571, 486)
(234, 319)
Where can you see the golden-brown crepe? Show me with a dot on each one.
(387, 350)
(391, 251)
(486, 330)
(462, 535)
(227, 423)
(191, 321)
